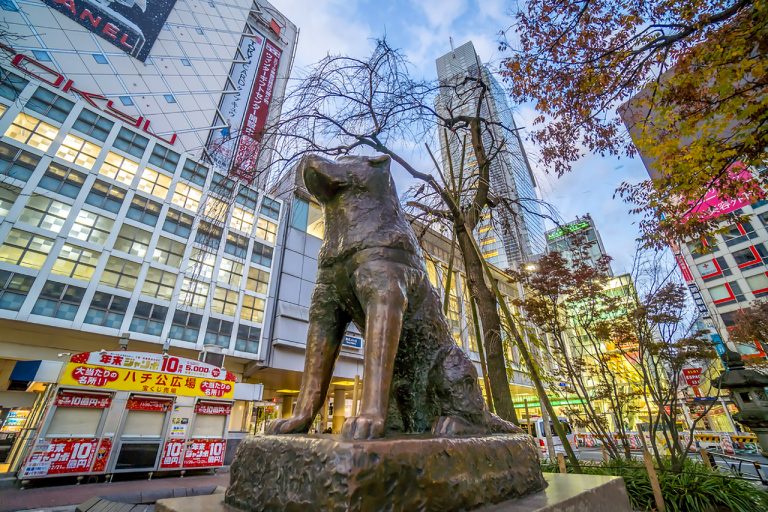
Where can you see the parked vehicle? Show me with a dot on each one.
(537, 431)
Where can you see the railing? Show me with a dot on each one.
(736, 465)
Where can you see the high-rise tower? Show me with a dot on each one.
(516, 232)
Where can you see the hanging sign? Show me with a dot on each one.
(213, 408)
(692, 376)
(85, 400)
(148, 404)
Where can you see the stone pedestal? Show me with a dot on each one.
(298, 472)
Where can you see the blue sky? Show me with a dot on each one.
(422, 30)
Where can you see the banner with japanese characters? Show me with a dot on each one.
(61, 457)
(124, 379)
(204, 453)
(153, 362)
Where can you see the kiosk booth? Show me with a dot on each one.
(123, 411)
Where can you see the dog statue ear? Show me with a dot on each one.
(379, 160)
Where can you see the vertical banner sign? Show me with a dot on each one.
(234, 103)
(173, 454)
(684, 268)
(131, 25)
(257, 111)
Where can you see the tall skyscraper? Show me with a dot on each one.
(514, 234)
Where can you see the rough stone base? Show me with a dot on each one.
(420, 473)
(565, 493)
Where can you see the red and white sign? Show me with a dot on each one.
(102, 456)
(684, 268)
(86, 400)
(47, 75)
(692, 376)
(213, 408)
(173, 454)
(152, 362)
(204, 453)
(215, 388)
(148, 404)
(714, 205)
(61, 457)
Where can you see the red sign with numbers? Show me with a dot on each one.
(213, 408)
(61, 456)
(173, 454)
(204, 453)
(90, 401)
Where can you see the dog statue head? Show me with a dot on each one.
(328, 179)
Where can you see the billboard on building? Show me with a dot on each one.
(245, 110)
(131, 25)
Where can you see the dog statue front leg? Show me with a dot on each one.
(385, 303)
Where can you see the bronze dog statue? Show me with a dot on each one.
(371, 272)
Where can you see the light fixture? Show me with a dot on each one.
(124, 339)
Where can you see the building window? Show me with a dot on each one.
(185, 326)
(208, 234)
(8, 195)
(50, 104)
(749, 256)
(145, 211)
(164, 158)
(41, 55)
(106, 196)
(758, 284)
(107, 310)
(32, 131)
(270, 208)
(218, 332)
(262, 254)
(11, 85)
(159, 283)
(17, 163)
(242, 220)
(91, 227)
(155, 183)
(194, 172)
(199, 30)
(119, 168)
(725, 293)
(216, 209)
(178, 223)
(221, 185)
(100, 58)
(46, 213)
(93, 125)
(62, 180)
(126, 100)
(193, 293)
(133, 240)
(308, 217)
(738, 232)
(168, 252)
(187, 197)
(130, 142)
(78, 151)
(248, 339)
(120, 273)
(76, 262)
(237, 245)
(201, 263)
(247, 197)
(59, 300)
(258, 280)
(185, 62)
(149, 318)
(169, 98)
(25, 249)
(230, 272)
(266, 230)
(14, 289)
(253, 309)
(225, 301)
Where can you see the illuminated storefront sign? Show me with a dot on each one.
(568, 229)
(32, 68)
(131, 25)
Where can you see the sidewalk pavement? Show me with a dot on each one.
(131, 491)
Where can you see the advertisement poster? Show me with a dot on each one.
(173, 454)
(102, 455)
(84, 400)
(148, 404)
(153, 362)
(179, 428)
(202, 453)
(131, 25)
(61, 457)
(213, 408)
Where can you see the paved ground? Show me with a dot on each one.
(63, 498)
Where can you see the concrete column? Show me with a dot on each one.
(285, 410)
(339, 404)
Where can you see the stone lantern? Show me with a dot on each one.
(748, 391)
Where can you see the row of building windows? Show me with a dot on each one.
(59, 300)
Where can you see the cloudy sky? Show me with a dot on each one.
(422, 28)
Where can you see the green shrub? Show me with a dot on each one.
(694, 489)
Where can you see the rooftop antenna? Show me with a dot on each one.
(450, 39)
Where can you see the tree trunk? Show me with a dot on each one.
(491, 323)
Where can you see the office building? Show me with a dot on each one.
(578, 240)
(514, 233)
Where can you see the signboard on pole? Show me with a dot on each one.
(692, 376)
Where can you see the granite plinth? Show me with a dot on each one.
(418, 473)
(564, 493)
